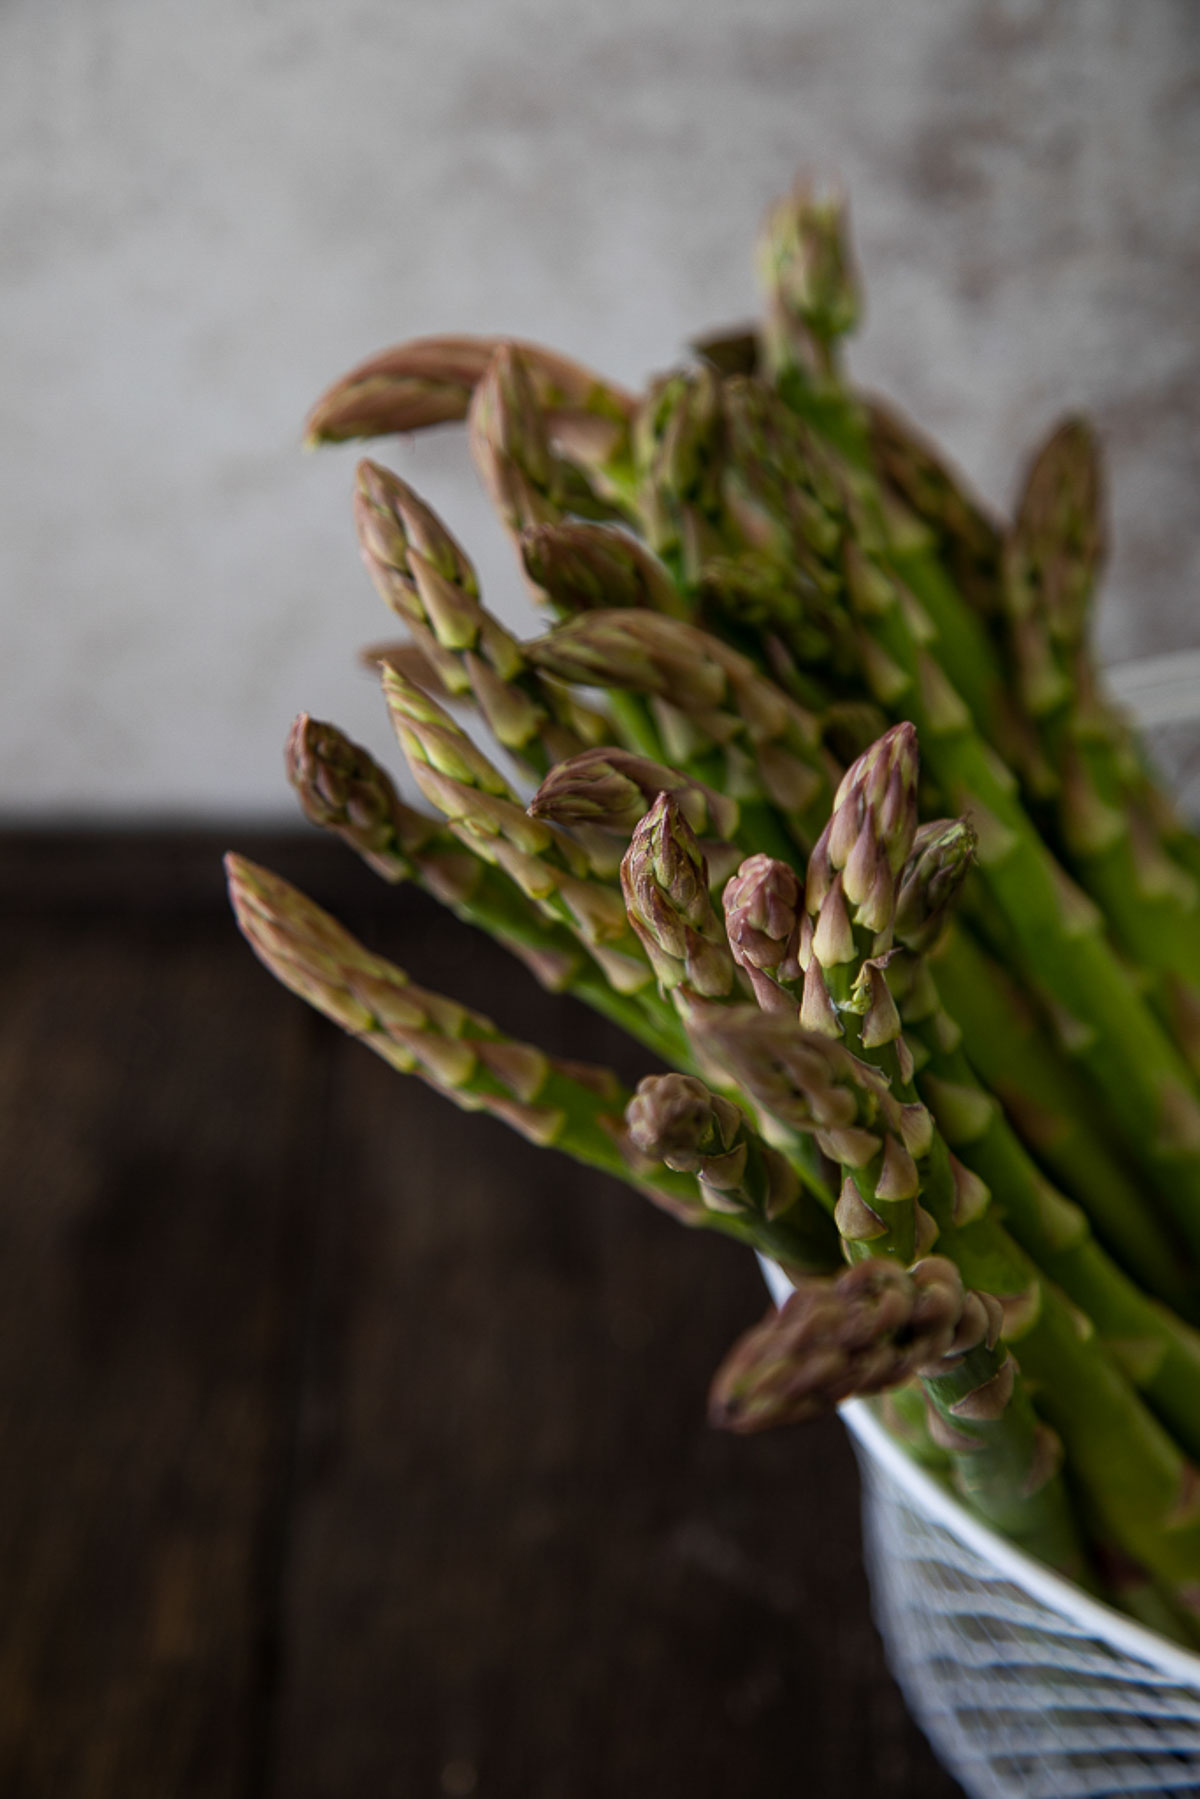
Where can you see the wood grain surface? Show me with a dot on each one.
(350, 1446)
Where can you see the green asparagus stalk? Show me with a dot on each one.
(838, 950)
(485, 814)
(1055, 1115)
(426, 578)
(666, 888)
(528, 480)
(719, 716)
(932, 507)
(601, 794)
(430, 381)
(1159, 1354)
(1137, 1481)
(1109, 827)
(812, 286)
(462, 1055)
(1051, 931)
(676, 1119)
(586, 567)
(878, 1325)
(344, 790)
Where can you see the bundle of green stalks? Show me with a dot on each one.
(831, 813)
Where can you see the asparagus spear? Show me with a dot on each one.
(426, 578)
(836, 953)
(1003, 1461)
(676, 1119)
(1048, 928)
(532, 488)
(876, 1326)
(718, 714)
(1054, 1114)
(430, 381)
(867, 1330)
(966, 538)
(1138, 1484)
(600, 795)
(812, 286)
(528, 481)
(676, 443)
(1110, 829)
(485, 813)
(343, 789)
(665, 883)
(1108, 817)
(571, 1106)
(1160, 1355)
(586, 567)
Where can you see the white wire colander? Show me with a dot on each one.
(1025, 1686)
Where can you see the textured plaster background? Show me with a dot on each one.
(209, 210)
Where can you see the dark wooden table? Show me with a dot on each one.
(350, 1445)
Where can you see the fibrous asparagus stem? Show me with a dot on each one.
(1055, 1116)
(1111, 830)
(1159, 1354)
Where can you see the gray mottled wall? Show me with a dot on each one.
(209, 209)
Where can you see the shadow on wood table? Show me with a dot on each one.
(350, 1445)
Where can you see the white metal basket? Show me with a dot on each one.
(1025, 1686)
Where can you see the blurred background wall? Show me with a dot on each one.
(209, 211)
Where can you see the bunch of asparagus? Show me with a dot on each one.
(855, 845)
